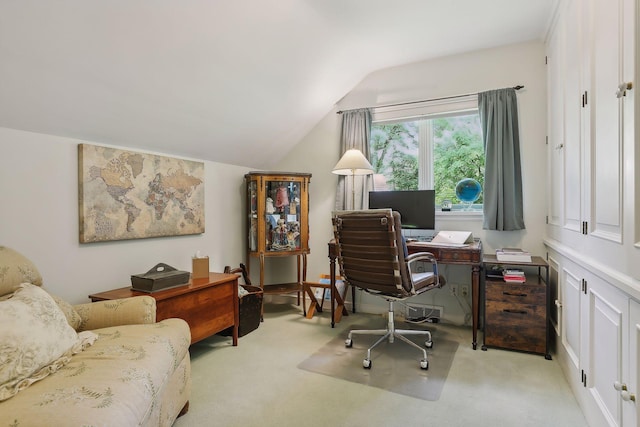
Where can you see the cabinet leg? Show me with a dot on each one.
(298, 278)
(262, 285)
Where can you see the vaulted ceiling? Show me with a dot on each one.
(221, 80)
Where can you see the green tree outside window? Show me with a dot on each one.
(458, 153)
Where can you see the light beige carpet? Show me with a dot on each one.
(395, 366)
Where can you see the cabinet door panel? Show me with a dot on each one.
(606, 119)
(573, 105)
(554, 152)
(571, 288)
(630, 408)
(608, 317)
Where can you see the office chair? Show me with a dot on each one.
(371, 255)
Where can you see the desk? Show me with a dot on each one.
(470, 255)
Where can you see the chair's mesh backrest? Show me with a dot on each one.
(370, 251)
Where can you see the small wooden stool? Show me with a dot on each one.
(324, 284)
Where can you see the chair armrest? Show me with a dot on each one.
(117, 312)
(426, 257)
(421, 256)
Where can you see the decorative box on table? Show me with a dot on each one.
(160, 277)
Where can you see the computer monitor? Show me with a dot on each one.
(417, 208)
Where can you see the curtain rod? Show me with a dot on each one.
(517, 87)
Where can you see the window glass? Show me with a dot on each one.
(433, 152)
(394, 156)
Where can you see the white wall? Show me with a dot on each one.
(521, 64)
(39, 218)
(38, 183)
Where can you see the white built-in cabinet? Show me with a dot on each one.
(585, 58)
(600, 335)
(591, 59)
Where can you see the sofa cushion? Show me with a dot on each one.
(73, 318)
(35, 339)
(15, 269)
(119, 381)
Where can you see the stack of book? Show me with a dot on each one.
(513, 276)
(513, 255)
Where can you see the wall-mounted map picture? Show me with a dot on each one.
(132, 195)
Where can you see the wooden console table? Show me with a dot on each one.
(208, 305)
(470, 255)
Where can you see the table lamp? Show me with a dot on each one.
(353, 163)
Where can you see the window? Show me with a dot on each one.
(433, 151)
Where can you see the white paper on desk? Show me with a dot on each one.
(453, 237)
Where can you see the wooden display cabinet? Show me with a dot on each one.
(278, 223)
(516, 314)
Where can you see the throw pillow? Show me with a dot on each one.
(35, 339)
(15, 269)
(70, 313)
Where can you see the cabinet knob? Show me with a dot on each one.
(624, 392)
(626, 396)
(620, 386)
(623, 88)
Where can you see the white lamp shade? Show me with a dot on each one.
(353, 162)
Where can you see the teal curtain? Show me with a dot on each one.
(355, 133)
(503, 177)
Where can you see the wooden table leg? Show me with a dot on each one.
(475, 301)
(332, 270)
(340, 304)
(353, 299)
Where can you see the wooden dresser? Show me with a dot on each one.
(516, 314)
(208, 305)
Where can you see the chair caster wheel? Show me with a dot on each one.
(424, 365)
(366, 363)
(348, 343)
(428, 344)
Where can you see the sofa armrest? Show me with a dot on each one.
(124, 311)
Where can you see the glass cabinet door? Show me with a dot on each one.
(282, 215)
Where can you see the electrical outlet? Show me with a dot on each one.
(453, 289)
(465, 290)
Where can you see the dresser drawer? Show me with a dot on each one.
(516, 327)
(515, 293)
(529, 340)
(515, 313)
(452, 255)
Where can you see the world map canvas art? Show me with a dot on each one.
(131, 195)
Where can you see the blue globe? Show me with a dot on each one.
(468, 190)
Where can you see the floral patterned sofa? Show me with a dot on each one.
(106, 363)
